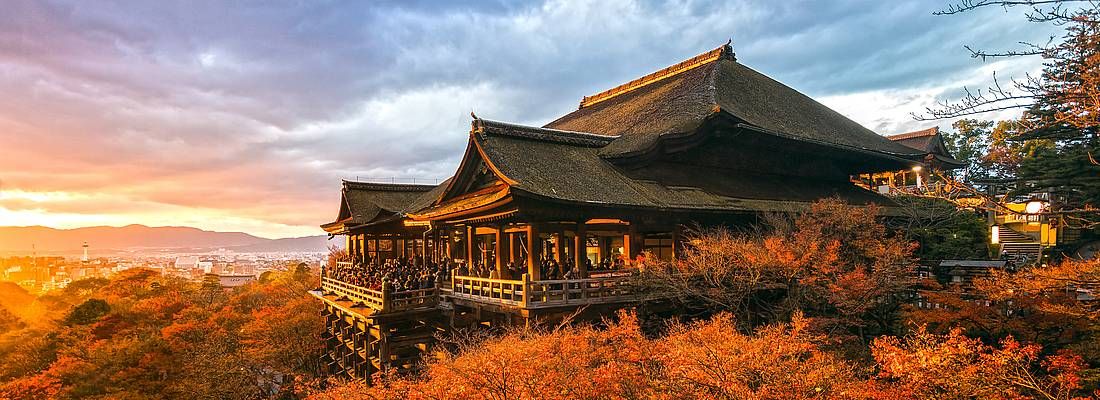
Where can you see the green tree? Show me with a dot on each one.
(942, 230)
(88, 312)
(969, 142)
(9, 321)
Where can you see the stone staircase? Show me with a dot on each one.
(1017, 245)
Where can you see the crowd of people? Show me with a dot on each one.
(417, 273)
(401, 273)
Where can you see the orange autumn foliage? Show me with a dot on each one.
(953, 366)
(834, 262)
(714, 360)
(703, 360)
(142, 335)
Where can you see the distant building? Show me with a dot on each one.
(231, 281)
(234, 280)
(187, 262)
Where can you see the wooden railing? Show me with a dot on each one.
(413, 299)
(546, 293)
(500, 291)
(355, 294)
(555, 293)
(382, 300)
(521, 293)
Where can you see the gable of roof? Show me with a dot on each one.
(930, 141)
(925, 140)
(365, 202)
(678, 100)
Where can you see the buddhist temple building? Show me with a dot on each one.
(937, 160)
(540, 220)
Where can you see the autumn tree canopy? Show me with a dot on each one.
(142, 335)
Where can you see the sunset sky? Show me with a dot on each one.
(244, 116)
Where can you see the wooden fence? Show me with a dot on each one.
(543, 294)
(522, 293)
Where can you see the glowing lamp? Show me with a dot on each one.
(1034, 206)
(995, 234)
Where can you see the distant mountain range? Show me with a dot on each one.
(141, 237)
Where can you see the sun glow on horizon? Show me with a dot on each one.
(68, 210)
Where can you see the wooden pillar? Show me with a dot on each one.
(353, 243)
(514, 247)
(470, 246)
(631, 245)
(364, 248)
(505, 254)
(498, 250)
(534, 269)
(676, 247)
(559, 246)
(580, 241)
(434, 240)
(448, 245)
(351, 246)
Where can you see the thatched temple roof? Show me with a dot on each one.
(678, 99)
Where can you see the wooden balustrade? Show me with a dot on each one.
(382, 301)
(518, 293)
(501, 291)
(413, 299)
(546, 293)
(355, 294)
(564, 292)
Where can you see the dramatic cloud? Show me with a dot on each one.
(244, 116)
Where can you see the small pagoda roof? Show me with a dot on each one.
(930, 141)
(677, 100)
(365, 203)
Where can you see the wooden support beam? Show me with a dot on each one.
(470, 246)
(534, 269)
(498, 250)
(676, 246)
(631, 243)
(580, 252)
(559, 246)
(513, 248)
(448, 245)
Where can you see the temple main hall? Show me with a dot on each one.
(540, 220)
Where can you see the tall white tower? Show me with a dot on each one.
(85, 258)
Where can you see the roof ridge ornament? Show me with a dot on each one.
(723, 52)
(387, 187)
(933, 131)
(475, 123)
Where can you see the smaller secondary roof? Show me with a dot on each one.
(974, 263)
(931, 142)
(364, 203)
